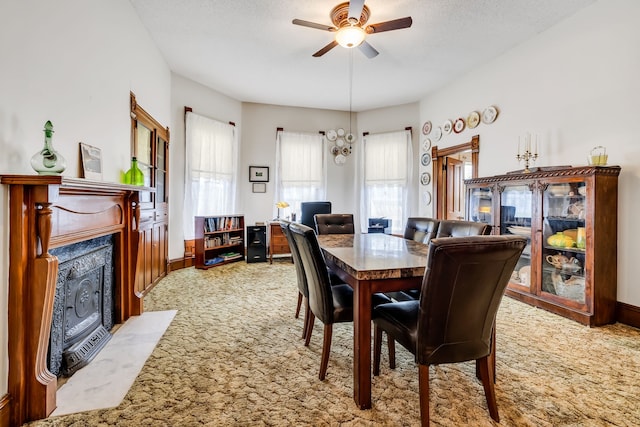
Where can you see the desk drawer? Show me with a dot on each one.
(280, 249)
(279, 240)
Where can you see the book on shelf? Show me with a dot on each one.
(214, 261)
(222, 223)
(230, 255)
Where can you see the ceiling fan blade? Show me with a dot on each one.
(326, 49)
(395, 24)
(355, 9)
(368, 50)
(313, 25)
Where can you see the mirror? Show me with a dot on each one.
(451, 166)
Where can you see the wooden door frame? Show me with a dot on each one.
(439, 171)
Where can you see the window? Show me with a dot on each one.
(300, 168)
(210, 169)
(385, 176)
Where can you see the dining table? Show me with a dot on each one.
(371, 263)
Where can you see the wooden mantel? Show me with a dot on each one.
(47, 212)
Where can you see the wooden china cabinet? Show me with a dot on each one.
(150, 145)
(569, 216)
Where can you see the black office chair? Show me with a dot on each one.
(463, 284)
(331, 303)
(309, 209)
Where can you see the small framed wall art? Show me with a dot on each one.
(259, 187)
(91, 158)
(258, 173)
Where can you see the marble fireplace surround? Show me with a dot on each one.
(48, 212)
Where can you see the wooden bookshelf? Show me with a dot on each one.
(219, 240)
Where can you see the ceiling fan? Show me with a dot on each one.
(349, 23)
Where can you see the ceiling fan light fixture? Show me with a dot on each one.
(350, 36)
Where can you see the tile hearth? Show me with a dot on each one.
(107, 379)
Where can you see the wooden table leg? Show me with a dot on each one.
(362, 344)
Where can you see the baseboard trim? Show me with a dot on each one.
(628, 314)
(5, 411)
(177, 264)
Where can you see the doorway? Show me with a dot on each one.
(452, 166)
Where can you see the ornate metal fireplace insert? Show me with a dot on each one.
(83, 308)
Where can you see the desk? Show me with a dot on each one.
(371, 263)
(278, 244)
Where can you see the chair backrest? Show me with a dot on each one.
(334, 223)
(315, 269)
(463, 284)
(309, 209)
(295, 253)
(421, 230)
(455, 228)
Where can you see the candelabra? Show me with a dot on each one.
(528, 155)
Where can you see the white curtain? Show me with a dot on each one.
(300, 169)
(385, 177)
(211, 158)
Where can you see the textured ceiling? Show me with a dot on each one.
(250, 50)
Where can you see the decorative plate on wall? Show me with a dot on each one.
(459, 125)
(473, 120)
(426, 144)
(340, 132)
(350, 138)
(332, 135)
(437, 134)
(427, 197)
(340, 159)
(339, 142)
(425, 159)
(335, 150)
(426, 128)
(446, 127)
(489, 114)
(425, 178)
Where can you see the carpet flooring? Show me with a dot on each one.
(233, 356)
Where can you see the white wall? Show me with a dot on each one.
(74, 63)
(259, 149)
(576, 86)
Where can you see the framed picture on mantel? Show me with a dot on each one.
(91, 162)
(258, 174)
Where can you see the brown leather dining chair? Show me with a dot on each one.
(426, 229)
(329, 302)
(421, 229)
(303, 289)
(462, 287)
(334, 223)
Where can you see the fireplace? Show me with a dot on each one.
(49, 214)
(83, 308)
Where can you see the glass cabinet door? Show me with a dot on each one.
(564, 240)
(161, 170)
(480, 208)
(515, 218)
